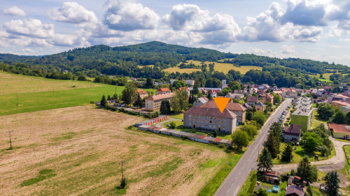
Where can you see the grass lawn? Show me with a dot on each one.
(180, 127)
(36, 96)
(298, 154)
(177, 116)
(316, 120)
(314, 105)
(270, 187)
(316, 191)
(326, 76)
(342, 140)
(14, 83)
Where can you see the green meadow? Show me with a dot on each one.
(36, 96)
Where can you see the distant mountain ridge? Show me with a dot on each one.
(162, 56)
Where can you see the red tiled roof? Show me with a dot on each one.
(163, 90)
(141, 91)
(201, 136)
(217, 140)
(339, 128)
(341, 103)
(184, 88)
(229, 106)
(160, 97)
(252, 99)
(212, 112)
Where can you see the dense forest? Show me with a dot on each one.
(132, 61)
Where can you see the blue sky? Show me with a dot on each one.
(318, 30)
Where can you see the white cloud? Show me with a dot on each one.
(287, 49)
(72, 12)
(268, 26)
(345, 40)
(181, 16)
(128, 16)
(14, 11)
(27, 50)
(308, 52)
(68, 40)
(30, 28)
(220, 29)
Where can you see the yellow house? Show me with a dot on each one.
(142, 93)
(339, 131)
(153, 102)
(260, 107)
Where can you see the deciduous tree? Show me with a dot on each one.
(240, 139)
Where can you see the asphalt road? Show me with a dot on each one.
(234, 181)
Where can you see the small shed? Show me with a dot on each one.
(143, 127)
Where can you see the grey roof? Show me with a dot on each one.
(260, 104)
(302, 112)
(202, 100)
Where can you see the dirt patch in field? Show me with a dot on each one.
(84, 146)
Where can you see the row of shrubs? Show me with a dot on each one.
(149, 115)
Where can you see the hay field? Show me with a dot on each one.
(221, 67)
(78, 150)
(12, 84)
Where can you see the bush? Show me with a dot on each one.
(123, 183)
(92, 102)
(172, 125)
(114, 109)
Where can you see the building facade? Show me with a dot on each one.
(153, 102)
(163, 91)
(142, 93)
(236, 108)
(210, 119)
(302, 117)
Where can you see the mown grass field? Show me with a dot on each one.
(36, 94)
(221, 67)
(13, 83)
(77, 151)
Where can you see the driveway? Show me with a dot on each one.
(169, 120)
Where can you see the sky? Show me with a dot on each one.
(311, 29)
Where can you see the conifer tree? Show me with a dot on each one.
(287, 154)
(272, 144)
(265, 160)
(139, 102)
(209, 95)
(332, 183)
(309, 190)
(307, 172)
(165, 107)
(103, 101)
(109, 97)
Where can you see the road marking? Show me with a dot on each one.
(235, 192)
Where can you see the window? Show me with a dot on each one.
(207, 117)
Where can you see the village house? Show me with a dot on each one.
(236, 108)
(302, 117)
(267, 98)
(252, 101)
(340, 131)
(153, 102)
(200, 101)
(292, 133)
(289, 93)
(340, 104)
(271, 177)
(163, 91)
(189, 82)
(187, 90)
(235, 96)
(210, 119)
(260, 106)
(142, 93)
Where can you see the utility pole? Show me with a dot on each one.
(10, 139)
(122, 163)
(17, 99)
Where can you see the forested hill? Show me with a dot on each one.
(123, 60)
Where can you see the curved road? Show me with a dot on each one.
(234, 181)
